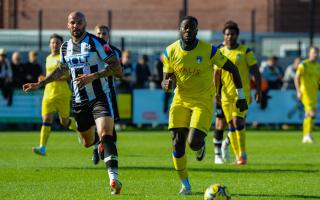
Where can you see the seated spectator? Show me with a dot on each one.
(17, 70)
(6, 77)
(125, 84)
(272, 73)
(290, 73)
(32, 69)
(143, 74)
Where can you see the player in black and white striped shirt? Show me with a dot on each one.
(85, 57)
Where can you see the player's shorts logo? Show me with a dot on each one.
(199, 59)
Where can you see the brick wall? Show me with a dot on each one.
(271, 15)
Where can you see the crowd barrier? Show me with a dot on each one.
(147, 107)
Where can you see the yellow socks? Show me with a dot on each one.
(307, 125)
(241, 138)
(73, 125)
(45, 133)
(234, 142)
(180, 164)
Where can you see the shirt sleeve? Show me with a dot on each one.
(167, 68)
(250, 57)
(300, 69)
(103, 49)
(217, 58)
(63, 50)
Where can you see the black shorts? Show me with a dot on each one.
(219, 112)
(86, 114)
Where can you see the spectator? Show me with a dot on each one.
(6, 77)
(143, 74)
(158, 72)
(17, 70)
(272, 73)
(32, 69)
(125, 84)
(290, 74)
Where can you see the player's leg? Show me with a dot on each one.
(103, 116)
(44, 134)
(179, 120)
(63, 108)
(231, 136)
(241, 139)
(47, 110)
(218, 134)
(179, 136)
(308, 123)
(200, 123)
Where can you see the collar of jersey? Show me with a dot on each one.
(82, 37)
(237, 45)
(180, 41)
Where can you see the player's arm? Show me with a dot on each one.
(55, 75)
(218, 85)
(113, 68)
(241, 102)
(297, 85)
(257, 79)
(167, 81)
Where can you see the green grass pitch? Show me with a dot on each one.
(280, 167)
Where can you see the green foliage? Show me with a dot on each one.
(279, 167)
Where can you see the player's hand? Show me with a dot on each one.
(84, 79)
(167, 84)
(258, 96)
(30, 86)
(41, 77)
(242, 105)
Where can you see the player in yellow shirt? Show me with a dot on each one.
(243, 57)
(188, 64)
(56, 97)
(307, 86)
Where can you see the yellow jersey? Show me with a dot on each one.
(309, 73)
(55, 89)
(193, 69)
(244, 58)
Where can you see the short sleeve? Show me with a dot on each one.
(250, 57)
(300, 69)
(103, 49)
(217, 58)
(167, 67)
(63, 50)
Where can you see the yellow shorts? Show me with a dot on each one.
(60, 105)
(190, 113)
(230, 110)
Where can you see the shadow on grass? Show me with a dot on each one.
(232, 170)
(294, 196)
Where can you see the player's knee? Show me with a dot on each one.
(196, 139)
(179, 141)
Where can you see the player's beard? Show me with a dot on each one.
(77, 33)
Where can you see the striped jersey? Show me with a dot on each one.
(87, 56)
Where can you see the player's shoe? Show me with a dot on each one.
(242, 159)
(185, 191)
(95, 156)
(115, 187)
(307, 139)
(225, 151)
(218, 160)
(39, 150)
(201, 153)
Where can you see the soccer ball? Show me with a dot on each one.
(217, 192)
